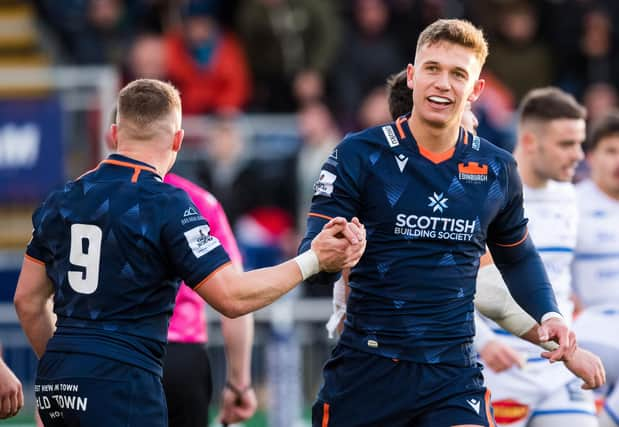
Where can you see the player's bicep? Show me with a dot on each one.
(509, 227)
(336, 192)
(215, 288)
(33, 286)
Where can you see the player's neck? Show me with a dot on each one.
(161, 165)
(605, 190)
(433, 139)
(527, 172)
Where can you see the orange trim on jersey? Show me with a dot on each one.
(325, 415)
(206, 279)
(465, 138)
(436, 157)
(511, 245)
(36, 261)
(129, 165)
(398, 125)
(87, 172)
(317, 215)
(136, 168)
(488, 412)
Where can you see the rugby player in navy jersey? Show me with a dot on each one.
(492, 298)
(431, 195)
(112, 247)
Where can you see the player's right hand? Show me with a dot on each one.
(588, 367)
(556, 330)
(11, 393)
(500, 357)
(340, 244)
(237, 407)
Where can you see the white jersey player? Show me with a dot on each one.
(550, 133)
(596, 265)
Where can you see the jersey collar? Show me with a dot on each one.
(128, 162)
(406, 137)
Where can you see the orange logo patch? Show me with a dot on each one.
(473, 172)
(509, 411)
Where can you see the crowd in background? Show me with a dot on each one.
(325, 60)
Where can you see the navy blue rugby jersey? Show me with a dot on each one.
(428, 218)
(116, 243)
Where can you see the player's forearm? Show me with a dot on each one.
(235, 294)
(525, 276)
(494, 301)
(259, 288)
(37, 321)
(238, 337)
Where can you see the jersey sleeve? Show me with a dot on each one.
(193, 251)
(515, 255)
(336, 193)
(509, 227)
(337, 190)
(39, 249)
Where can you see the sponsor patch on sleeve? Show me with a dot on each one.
(200, 240)
(324, 185)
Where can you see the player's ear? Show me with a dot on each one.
(527, 140)
(112, 137)
(478, 87)
(410, 71)
(178, 140)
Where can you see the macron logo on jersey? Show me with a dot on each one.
(200, 241)
(475, 404)
(401, 160)
(390, 135)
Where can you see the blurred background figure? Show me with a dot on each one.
(146, 58)
(368, 54)
(89, 32)
(596, 259)
(319, 136)
(206, 63)
(291, 44)
(516, 48)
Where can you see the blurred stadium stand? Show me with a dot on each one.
(61, 64)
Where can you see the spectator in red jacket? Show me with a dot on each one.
(206, 63)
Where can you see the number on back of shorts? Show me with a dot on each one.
(85, 252)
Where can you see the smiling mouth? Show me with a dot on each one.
(439, 100)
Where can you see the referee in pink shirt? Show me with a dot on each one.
(186, 371)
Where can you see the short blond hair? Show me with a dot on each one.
(145, 103)
(457, 31)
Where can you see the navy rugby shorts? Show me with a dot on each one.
(364, 389)
(85, 390)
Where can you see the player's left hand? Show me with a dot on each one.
(11, 393)
(556, 330)
(237, 405)
(588, 367)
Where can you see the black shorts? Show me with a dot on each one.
(187, 384)
(75, 390)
